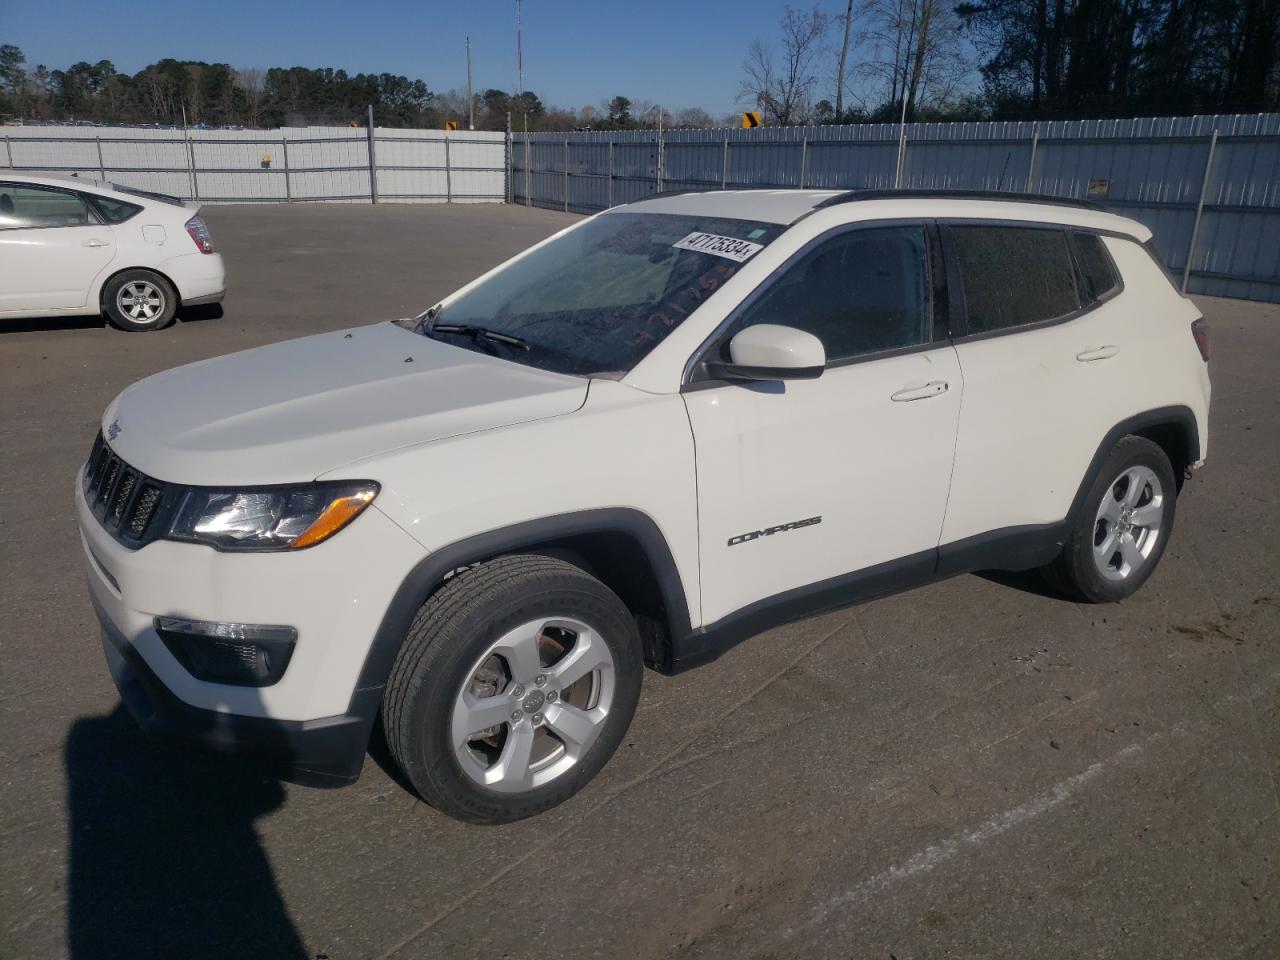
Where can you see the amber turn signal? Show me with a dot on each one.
(339, 512)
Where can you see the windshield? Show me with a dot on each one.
(598, 299)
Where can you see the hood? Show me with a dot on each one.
(291, 411)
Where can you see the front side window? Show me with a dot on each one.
(23, 207)
(599, 298)
(863, 292)
(1013, 276)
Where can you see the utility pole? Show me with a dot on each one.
(844, 52)
(519, 51)
(471, 101)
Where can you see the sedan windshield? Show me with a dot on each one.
(598, 299)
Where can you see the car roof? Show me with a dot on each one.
(788, 206)
(58, 180)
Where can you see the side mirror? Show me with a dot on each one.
(768, 351)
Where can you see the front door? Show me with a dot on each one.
(803, 481)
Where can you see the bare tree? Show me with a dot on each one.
(252, 83)
(917, 54)
(783, 89)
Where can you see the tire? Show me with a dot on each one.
(1122, 528)
(139, 301)
(515, 631)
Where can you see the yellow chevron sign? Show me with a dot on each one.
(750, 118)
(451, 124)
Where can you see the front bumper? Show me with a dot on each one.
(313, 725)
(318, 753)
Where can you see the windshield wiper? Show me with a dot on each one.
(479, 333)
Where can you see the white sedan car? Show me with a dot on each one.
(70, 246)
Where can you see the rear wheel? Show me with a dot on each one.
(139, 300)
(515, 685)
(1123, 527)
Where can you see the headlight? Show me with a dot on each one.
(270, 518)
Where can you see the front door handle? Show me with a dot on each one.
(95, 242)
(1098, 353)
(920, 391)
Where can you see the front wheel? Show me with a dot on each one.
(139, 300)
(1123, 528)
(516, 683)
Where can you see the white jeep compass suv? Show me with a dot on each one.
(667, 428)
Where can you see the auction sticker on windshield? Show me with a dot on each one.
(728, 247)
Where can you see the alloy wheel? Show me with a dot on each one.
(533, 704)
(1127, 525)
(140, 300)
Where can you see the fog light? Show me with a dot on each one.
(243, 654)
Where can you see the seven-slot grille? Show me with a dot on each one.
(125, 501)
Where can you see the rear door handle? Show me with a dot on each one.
(923, 391)
(1098, 353)
(95, 242)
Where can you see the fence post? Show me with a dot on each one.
(373, 162)
(902, 154)
(566, 176)
(510, 164)
(1195, 226)
(724, 165)
(609, 186)
(1031, 166)
(659, 171)
(448, 172)
(284, 150)
(191, 161)
(8, 151)
(804, 159)
(102, 169)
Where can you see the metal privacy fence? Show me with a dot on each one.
(1208, 187)
(291, 164)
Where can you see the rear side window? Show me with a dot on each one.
(1097, 272)
(863, 292)
(24, 206)
(113, 211)
(1013, 276)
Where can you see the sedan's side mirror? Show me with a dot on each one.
(768, 351)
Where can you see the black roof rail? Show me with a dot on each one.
(852, 196)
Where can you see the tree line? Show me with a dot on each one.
(846, 62)
(1016, 59)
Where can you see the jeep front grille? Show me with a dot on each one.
(129, 504)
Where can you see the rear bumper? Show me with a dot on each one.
(318, 753)
(199, 277)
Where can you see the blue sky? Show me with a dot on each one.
(680, 54)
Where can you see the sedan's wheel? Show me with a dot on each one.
(515, 685)
(1114, 546)
(140, 300)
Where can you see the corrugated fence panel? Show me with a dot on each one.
(1149, 169)
(292, 164)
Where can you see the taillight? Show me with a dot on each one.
(1200, 331)
(200, 234)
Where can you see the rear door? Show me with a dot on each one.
(1044, 348)
(52, 247)
(803, 481)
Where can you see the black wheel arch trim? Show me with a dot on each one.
(434, 569)
(1180, 416)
